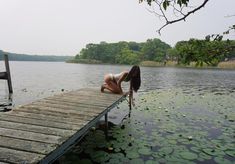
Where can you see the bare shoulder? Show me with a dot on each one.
(123, 76)
(125, 72)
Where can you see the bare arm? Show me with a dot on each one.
(131, 100)
(123, 76)
(131, 94)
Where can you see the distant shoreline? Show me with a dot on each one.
(25, 57)
(221, 65)
(53, 61)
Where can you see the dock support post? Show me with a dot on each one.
(7, 75)
(106, 125)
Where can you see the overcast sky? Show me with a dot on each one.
(64, 27)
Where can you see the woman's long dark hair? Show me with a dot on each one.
(134, 78)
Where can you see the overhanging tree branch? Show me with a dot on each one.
(183, 17)
(181, 10)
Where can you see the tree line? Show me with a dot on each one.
(124, 52)
(24, 57)
(205, 51)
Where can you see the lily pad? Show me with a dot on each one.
(137, 161)
(222, 160)
(195, 149)
(213, 152)
(151, 162)
(100, 156)
(230, 153)
(132, 154)
(114, 161)
(118, 156)
(166, 150)
(188, 155)
(205, 156)
(144, 151)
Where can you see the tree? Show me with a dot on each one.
(154, 50)
(202, 51)
(126, 56)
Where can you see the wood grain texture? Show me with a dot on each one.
(44, 129)
(26, 145)
(36, 128)
(15, 156)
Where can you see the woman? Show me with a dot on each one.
(113, 81)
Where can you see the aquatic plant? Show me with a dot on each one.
(166, 126)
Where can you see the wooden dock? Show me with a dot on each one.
(42, 131)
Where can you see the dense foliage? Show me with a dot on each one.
(208, 52)
(203, 51)
(125, 52)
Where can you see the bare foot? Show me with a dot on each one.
(102, 88)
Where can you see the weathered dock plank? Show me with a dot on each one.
(52, 113)
(62, 109)
(77, 96)
(36, 128)
(31, 136)
(66, 106)
(42, 131)
(15, 156)
(44, 123)
(81, 101)
(44, 117)
(26, 145)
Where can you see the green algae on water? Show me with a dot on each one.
(166, 126)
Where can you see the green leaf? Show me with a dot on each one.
(179, 2)
(185, 2)
(165, 5)
(149, 2)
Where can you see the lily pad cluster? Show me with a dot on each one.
(166, 126)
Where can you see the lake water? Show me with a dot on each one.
(182, 115)
(35, 80)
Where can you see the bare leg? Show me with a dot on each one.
(113, 85)
(102, 87)
(110, 85)
(106, 86)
